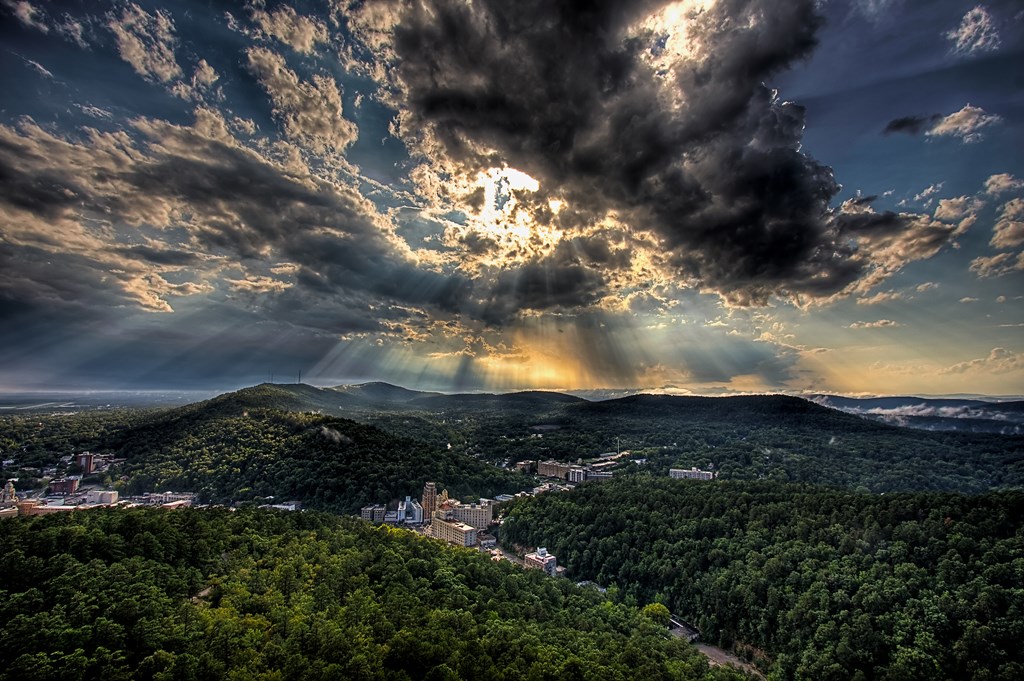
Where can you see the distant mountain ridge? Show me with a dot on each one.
(959, 415)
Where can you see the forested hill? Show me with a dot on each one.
(145, 594)
(231, 451)
(213, 444)
(815, 583)
(744, 437)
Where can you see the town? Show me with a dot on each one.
(435, 515)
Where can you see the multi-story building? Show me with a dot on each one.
(577, 475)
(553, 469)
(599, 475)
(526, 466)
(64, 486)
(453, 531)
(374, 513)
(87, 461)
(161, 498)
(478, 515)
(541, 560)
(391, 518)
(692, 474)
(429, 499)
(410, 511)
(101, 496)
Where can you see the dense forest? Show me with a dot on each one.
(211, 594)
(236, 450)
(813, 583)
(749, 438)
(745, 438)
(339, 449)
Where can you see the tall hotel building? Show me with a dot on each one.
(429, 499)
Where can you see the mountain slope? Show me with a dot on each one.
(820, 583)
(228, 451)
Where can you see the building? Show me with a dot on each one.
(161, 498)
(9, 495)
(391, 518)
(64, 486)
(410, 511)
(478, 515)
(553, 469)
(526, 466)
(453, 532)
(87, 462)
(30, 507)
(374, 513)
(286, 506)
(577, 475)
(692, 474)
(101, 496)
(541, 560)
(429, 499)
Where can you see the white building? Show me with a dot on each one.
(692, 474)
(101, 496)
(410, 511)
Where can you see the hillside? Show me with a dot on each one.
(826, 584)
(231, 451)
(210, 594)
(455, 436)
(749, 437)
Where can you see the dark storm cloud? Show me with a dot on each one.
(544, 285)
(231, 204)
(560, 90)
(911, 125)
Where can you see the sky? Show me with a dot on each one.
(705, 196)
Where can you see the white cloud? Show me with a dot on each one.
(967, 124)
(998, 361)
(39, 68)
(951, 210)
(926, 286)
(976, 33)
(94, 111)
(929, 191)
(997, 265)
(968, 299)
(881, 297)
(311, 112)
(880, 324)
(1009, 229)
(257, 284)
(147, 42)
(1003, 182)
(27, 13)
(299, 32)
(963, 210)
